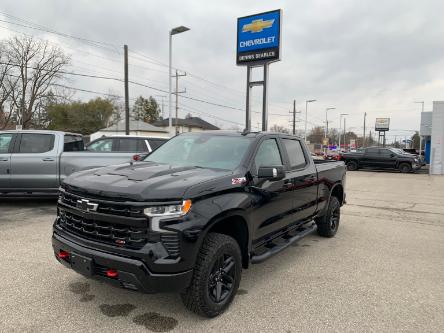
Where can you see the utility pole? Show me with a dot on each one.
(177, 92)
(127, 127)
(363, 139)
(345, 143)
(294, 117)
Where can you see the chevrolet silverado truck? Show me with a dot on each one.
(382, 158)
(36, 162)
(195, 212)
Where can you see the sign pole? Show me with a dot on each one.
(247, 104)
(265, 99)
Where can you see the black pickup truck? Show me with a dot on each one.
(195, 212)
(382, 158)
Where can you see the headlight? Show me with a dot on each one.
(169, 210)
(416, 160)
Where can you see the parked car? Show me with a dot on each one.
(381, 158)
(126, 143)
(36, 162)
(195, 212)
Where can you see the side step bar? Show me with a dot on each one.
(256, 259)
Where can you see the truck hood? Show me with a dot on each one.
(144, 181)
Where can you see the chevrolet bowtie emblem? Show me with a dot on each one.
(257, 25)
(87, 206)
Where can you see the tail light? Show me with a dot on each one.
(137, 157)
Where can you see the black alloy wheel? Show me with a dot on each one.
(221, 279)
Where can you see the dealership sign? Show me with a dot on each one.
(382, 124)
(259, 38)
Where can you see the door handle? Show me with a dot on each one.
(4, 160)
(48, 159)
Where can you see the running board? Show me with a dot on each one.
(256, 259)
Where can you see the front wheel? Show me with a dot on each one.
(352, 166)
(329, 223)
(216, 276)
(405, 167)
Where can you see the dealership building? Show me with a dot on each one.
(432, 134)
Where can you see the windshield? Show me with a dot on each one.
(202, 150)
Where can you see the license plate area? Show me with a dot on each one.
(82, 265)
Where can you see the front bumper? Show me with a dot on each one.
(132, 273)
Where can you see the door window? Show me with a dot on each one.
(372, 151)
(268, 154)
(104, 145)
(128, 145)
(385, 153)
(73, 143)
(36, 143)
(295, 153)
(5, 142)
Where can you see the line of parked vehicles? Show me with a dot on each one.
(380, 158)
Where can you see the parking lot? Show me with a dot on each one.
(382, 272)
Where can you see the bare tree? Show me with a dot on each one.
(38, 67)
(8, 82)
(278, 128)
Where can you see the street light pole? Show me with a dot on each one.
(340, 127)
(306, 116)
(172, 32)
(326, 121)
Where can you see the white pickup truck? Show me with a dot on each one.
(36, 162)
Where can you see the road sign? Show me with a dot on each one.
(259, 38)
(382, 124)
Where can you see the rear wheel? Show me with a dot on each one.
(216, 276)
(352, 166)
(405, 167)
(329, 223)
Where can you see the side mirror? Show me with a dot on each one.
(271, 173)
(392, 155)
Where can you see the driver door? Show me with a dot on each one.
(273, 203)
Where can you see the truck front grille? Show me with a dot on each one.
(111, 233)
(104, 207)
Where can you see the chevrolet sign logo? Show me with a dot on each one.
(257, 25)
(87, 206)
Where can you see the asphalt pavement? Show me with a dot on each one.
(383, 272)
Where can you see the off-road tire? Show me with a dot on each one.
(197, 296)
(329, 223)
(405, 167)
(352, 166)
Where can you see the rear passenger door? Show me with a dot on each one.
(370, 158)
(301, 179)
(6, 144)
(34, 162)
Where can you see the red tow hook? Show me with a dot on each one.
(63, 255)
(112, 273)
